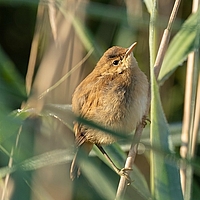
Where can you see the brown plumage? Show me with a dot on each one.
(113, 95)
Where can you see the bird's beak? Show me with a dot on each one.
(129, 50)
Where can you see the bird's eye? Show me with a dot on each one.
(115, 62)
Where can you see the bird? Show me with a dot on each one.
(114, 95)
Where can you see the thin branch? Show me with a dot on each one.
(159, 59)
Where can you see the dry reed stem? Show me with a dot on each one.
(66, 75)
(52, 18)
(165, 40)
(196, 119)
(29, 79)
(187, 116)
(138, 132)
(10, 164)
(34, 50)
(188, 136)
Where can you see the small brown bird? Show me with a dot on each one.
(114, 95)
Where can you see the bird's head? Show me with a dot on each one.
(116, 60)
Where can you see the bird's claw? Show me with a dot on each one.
(144, 121)
(125, 172)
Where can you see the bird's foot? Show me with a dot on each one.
(145, 120)
(125, 172)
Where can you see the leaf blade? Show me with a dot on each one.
(164, 185)
(185, 41)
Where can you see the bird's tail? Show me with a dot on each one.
(82, 150)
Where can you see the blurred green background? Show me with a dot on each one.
(106, 23)
(18, 19)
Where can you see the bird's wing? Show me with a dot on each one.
(84, 103)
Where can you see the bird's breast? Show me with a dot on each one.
(123, 101)
(116, 102)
